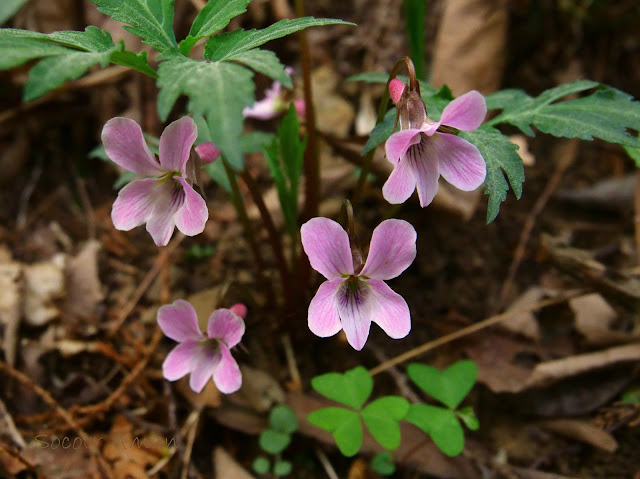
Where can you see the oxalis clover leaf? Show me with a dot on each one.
(352, 389)
(449, 387)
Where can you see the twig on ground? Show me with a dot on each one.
(468, 330)
(566, 157)
(296, 381)
(324, 460)
(193, 420)
(400, 379)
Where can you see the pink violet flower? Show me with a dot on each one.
(167, 199)
(421, 151)
(353, 295)
(273, 103)
(204, 356)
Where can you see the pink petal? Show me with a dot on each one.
(178, 361)
(161, 223)
(125, 146)
(466, 112)
(423, 160)
(225, 326)
(134, 204)
(390, 310)
(323, 318)
(227, 375)
(396, 87)
(355, 308)
(179, 321)
(459, 162)
(208, 152)
(398, 144)
(193, 214)
(204, 362)
(400, 184)
(392, 250)
(175, 144)
(327, 246)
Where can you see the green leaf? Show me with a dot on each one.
(634, 154)
(283, 419)
(382, 463)
(265, 62)
(469, 418)
(381, 132)
(254, 141)
(345, 426)
(135, 61)
(414, 19)
(225, 45)
(215, 15)
(382, 416)
(441, 424)
(500, 155)
(218, 91)
(261, 465)
(17, 49)
(151, 20)
(274, 442)
(352, 388)
(94, 46)
(503, 98)
(282, 468)
(449, 386)
(436, 101)
(605, 114)
(8, 8)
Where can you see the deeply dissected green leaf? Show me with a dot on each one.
(283, 419)
(253, 141)
(282, 468)
(265, 62)
(151, 20)
(8, 8)
(217, 90)
(17, 49)
(382, 417)
(441, 425)
(225, 45)
(634, 153)
(345, 426)
(352, 388)
(383, 464)
(215, 15)
(274, 442)
(449, 386)
(502, 98)
(500, 155)
(605, 114)
(135, 61)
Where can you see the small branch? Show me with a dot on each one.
(238, 203)
(274, 237)
(412, 353)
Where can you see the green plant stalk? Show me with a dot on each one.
(274, 238)
(414, 12)
(311, 158)
(238, 204)
(382, 110)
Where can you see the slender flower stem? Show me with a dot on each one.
(238, 204)
(382, 110)
(311, 158)
(274, 237)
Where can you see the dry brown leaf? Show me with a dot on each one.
(260, 390)
(583, 431)
(525, 324)
(10, 304)
(334, 114)
(84, 289)
(226, 466)
(470, 46)
(43, 285)
(550, 371)
(54, 462)
(593, 317)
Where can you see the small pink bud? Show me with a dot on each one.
(300, 107)
(396, 87)
(239, 309)
(208, 152)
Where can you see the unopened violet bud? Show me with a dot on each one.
(396, 87)
(208, 152)
(300, 106)
(239, 309)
